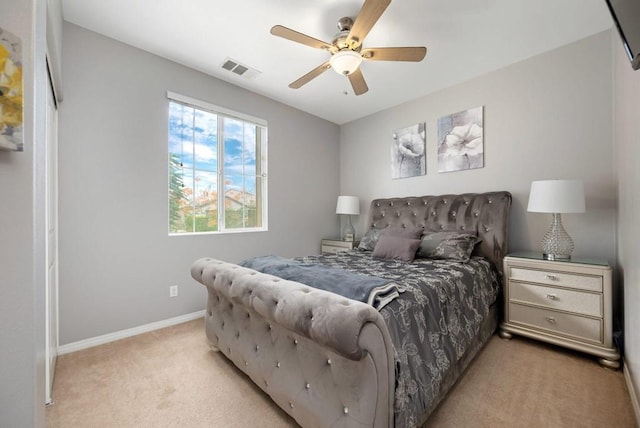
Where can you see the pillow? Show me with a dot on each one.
(447, 245)
(370, 239)
(396, 248)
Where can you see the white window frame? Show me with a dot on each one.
(261, 164)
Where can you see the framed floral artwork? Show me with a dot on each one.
(408, 157)
(461, 141)
(11, 119)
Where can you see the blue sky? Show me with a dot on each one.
(193, 136)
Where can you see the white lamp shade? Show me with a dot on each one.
(348, 205)
(556, 196)
(345, 62)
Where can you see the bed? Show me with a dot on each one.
(332, 361)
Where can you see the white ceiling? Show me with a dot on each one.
(464, 38)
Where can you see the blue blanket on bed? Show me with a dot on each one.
(375, 291)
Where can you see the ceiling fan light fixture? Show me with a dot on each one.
(345, 62)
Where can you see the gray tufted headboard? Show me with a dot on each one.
(484, 214)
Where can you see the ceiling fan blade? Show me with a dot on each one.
(366, 19)
(357, 82)
(294, 36)
(415, 54)
(310, 76)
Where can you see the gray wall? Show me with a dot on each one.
(626, 110)
(116, 260)
(22, 391)
(546, 117)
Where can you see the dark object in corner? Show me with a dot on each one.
(626, 16)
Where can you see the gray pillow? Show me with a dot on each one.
(370, 239)
(447, 245)
(396, 248)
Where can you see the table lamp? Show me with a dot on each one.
(349, 205)
(556, 197)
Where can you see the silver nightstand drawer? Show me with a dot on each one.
(562, 279)
(557, 298)
(557, 322)
(332, 246)
(332, 249)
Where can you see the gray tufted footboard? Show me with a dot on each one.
(324, 359)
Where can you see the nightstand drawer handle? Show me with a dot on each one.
(552, 297)
(552, 320)
(551, 277)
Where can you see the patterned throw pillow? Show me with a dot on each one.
(370, 239)
(447, 245)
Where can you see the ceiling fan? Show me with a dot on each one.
(346, 49)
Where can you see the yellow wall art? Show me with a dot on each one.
(11, 119)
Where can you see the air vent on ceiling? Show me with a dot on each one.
(235, 67)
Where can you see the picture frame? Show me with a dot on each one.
(11, 92)
(461, 140)
(408, 151)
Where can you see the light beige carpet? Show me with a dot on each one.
(170, 378)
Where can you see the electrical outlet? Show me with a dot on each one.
(173, 291)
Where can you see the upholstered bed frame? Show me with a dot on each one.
(324, 359)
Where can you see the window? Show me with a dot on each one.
(217, 169)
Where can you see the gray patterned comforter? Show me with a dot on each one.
(436, 326)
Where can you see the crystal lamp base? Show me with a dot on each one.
(557, 244)
(348, 232)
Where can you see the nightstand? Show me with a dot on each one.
(332, 246)
(566, 303)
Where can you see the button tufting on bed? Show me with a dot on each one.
(320, 357)
(484, 214)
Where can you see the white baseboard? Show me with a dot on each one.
(632, 393)
(111, 337)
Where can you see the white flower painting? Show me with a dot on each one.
(408, 152)
(461, 141)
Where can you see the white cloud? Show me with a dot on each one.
(204, 153)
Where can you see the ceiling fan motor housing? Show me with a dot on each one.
(345, 23)
(340, 40)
